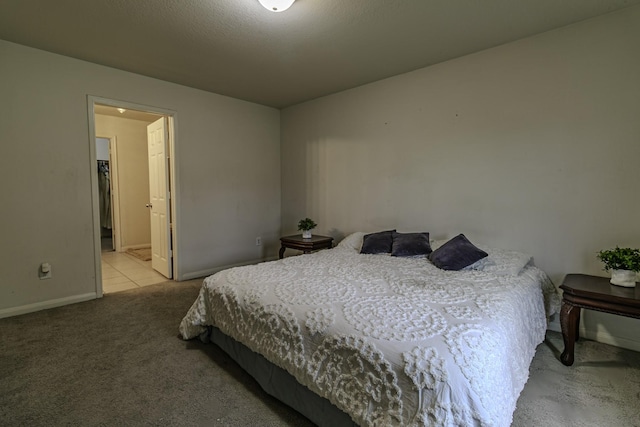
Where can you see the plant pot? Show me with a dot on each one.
(306, 234)
(626, 278)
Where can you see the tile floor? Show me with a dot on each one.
(121, 272)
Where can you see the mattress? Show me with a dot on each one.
(388, 340)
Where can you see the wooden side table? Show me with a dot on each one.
(595, 293)
(314, 243)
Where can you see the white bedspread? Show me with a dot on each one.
(390, 341)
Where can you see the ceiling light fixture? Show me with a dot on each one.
(276, 5)
(121, 110)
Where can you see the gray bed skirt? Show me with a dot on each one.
(282, 385)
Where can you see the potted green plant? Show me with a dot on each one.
(306, 225)
(624, 264)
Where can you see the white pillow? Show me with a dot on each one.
(352, 241)
(503, 262)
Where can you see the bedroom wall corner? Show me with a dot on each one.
(228, 163)
(532, 146)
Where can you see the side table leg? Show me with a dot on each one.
(569, 314)
(281, 253)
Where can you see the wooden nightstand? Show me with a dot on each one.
(594, 293)
(305, 245)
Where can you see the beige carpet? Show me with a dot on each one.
(141, 253)
(118, 361)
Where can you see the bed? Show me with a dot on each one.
(379, 340)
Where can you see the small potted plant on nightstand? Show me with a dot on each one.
(624, 264)
(306, 225)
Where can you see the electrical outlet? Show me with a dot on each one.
(258, 241)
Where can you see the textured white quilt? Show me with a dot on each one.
(390, 341)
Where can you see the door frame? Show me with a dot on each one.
(173, 180)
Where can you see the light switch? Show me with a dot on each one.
(45, 271)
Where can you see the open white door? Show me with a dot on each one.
(157, 137)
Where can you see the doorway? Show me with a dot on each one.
(124, 125)
(105, 193)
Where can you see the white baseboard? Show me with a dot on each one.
(30, 308)
(607, 338)
(210, 271)
(599, 336)
(554, 324)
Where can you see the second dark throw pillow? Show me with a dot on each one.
(410, 244)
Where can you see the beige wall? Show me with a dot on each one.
(227, 171)
(533, 146)
(133, 177)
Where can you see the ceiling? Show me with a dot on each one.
(317, 47)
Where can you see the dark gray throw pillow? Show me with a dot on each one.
(456, 254)
(377, 243)
(410, 244)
